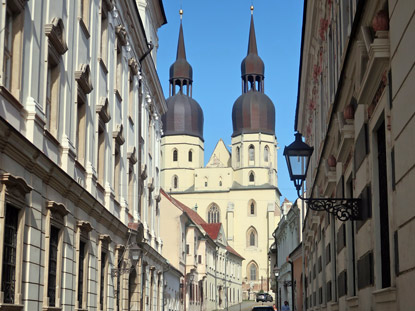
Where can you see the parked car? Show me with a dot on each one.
(264, 297)
(263, 308)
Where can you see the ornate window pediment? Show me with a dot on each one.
(132, 155)
(117, 134)
(83, 78)
(58, 210)
(16, 187)
(121, 34)
(84, 226)
(143, 171)
(105, 239)
(55, 33)
(103, 111)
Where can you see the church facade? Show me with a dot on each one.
(237, 187)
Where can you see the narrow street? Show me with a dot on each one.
(247, 305)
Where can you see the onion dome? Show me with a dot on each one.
(184, 115)
(253, 111)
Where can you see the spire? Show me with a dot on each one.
(181, 73)
(252, 66)
(181, 51)
(252, 49)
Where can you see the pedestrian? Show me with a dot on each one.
(286, 306)
(275, 307)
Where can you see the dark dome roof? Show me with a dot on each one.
(183, 117)
(252, 64)
(253, 112)
(181, 69)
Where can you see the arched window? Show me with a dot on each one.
(252, 271)
(175, 182)
(175, 156)
(251, 177)
(252, 208)
(190, 156)
(238, 154)
(220, 181)
(251, 153)
(252, 237)
(206, 182)
(213, 214)
(266, 154)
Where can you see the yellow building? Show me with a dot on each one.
(237, 188)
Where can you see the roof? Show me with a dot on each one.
(231, 250)
(212, 229)
(195, 217)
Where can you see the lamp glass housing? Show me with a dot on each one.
(135, 252)
(298, 155)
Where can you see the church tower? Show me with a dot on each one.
(182, 143)
(254, 145)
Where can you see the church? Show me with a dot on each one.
(237, 187)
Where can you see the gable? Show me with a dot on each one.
(220, 157)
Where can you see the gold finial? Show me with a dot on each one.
(252, 9)
(181, 14)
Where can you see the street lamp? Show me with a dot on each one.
(134, 256)
(298, 155)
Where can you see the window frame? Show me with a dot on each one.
(55, 217)
(103, 248)
(14, 190)
(82, 235)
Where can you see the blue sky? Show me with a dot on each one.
(216, 40)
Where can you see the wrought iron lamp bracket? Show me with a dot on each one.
(343, 208)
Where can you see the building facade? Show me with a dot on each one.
(237, 188)
(210, 268)
(80, 130)
(355, 107)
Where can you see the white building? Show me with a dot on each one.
(287, 238)
(80, 136)
(210, 268)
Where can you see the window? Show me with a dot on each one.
(175, 156)
(118, 75)
(103, 118)
(238, 154)
(13, 35)
(103, 47)
(8, 36)
(53, 264)
(8, 282)
(175, 182)
(84, 7)
(213, 214)
(84, 228)
(13, 191)
(266, 154)
(253, 275)
(52, 96)
(252, 237)
(251, 177)
(104, 241)
(206, 182)
(252, 208)
(53, 250)
(118, 141)
(190, 156)
(251, 153)
(81, 130)
(84, 87)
